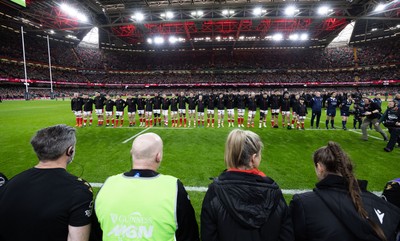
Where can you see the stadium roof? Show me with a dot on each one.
(206, 24)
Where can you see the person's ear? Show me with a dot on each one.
(158, 157)
(70, 151)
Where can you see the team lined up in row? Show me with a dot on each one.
(150, 109)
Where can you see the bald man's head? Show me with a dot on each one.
(147, 150)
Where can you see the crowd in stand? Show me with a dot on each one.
(91, 66)
(66, 54)
(17, 92)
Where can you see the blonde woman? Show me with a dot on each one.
(243, 203)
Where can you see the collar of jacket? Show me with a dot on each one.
(339, 182)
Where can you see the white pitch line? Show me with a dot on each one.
(204, 189)
(130, 138)
(374, 137)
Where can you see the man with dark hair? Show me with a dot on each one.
(87, 110)
(230, 109)
(109, 110)
(200, 103)
(331, 104)
(165, 103)
(221, 109)
(263, 104)
(99, 102)
(157, 109)
(141, 102)
(182, 100)
(76, 107)
(174, 110)
(45, 202)
(142, 204)
(274, 101)
(210, 109)
(241, 100)
(251, 109)
(191, 100)
(120, 105)
(149, 111)
(131, 103)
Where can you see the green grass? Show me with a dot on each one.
(193, 155)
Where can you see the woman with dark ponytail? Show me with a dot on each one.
(340, 208)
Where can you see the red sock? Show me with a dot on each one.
(198, 122)
(302, 125)
(213, 121)
(184, 120)
(155, 120)
(292, 121)
(159, 120)
(80, 120)
(202, 123)
(108, 122)
(84, 121)
(208, 121)
(90, 120)
(272, 123)
(116, 122)
(122, 122)
(112, 121)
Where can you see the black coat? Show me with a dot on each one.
(241, 206)
(328, 214)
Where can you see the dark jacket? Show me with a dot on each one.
(328, 214)
(241, 206)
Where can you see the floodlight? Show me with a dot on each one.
(149, 41)
(158, 40)
(225, 12)
(139, 17)
(218, 38)
(193, 13)
(81, 17)
(169, 15)
(380, 7)
(72, 12)
(200, 13)
(374, 29)
(172, 39)
(304, 36)
(257, 11)
(294, 37)
(291, 10)
(51, 31)
(277, 37)
(231, 12)
(324, 10)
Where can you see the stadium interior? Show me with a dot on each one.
(198, 44)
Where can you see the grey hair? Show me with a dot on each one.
(52, 142)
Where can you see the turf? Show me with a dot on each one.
(193, 155)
